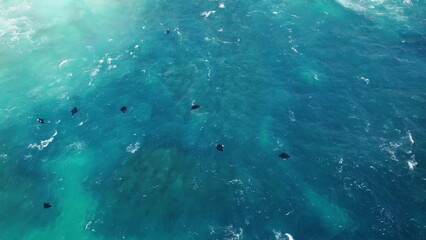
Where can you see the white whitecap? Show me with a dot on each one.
(411, 164)
(110, 67)
(279, 236)
(15, 26)
(235, 181)
(365, 79)
(288, 235)
(43, 143)
(87, 225)
(207, 13)
(63, 62)
(222, 5)
(380, 8)
(410, 137)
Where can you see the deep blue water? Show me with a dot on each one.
(338, 85)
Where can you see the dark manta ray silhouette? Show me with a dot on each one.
(219, 147)
(195, 106)
(74, 111)
(284, 156)
(47, 205)
(40, 120)
(123, 109)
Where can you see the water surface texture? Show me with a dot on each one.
(338, 85)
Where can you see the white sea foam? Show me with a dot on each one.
(235, 181)
(222, 5)
(132, 148)
(15, 25)
(207, 13)
(411, 164)
(279, 236)
(391, 148)
(377, 8)
(353, 5)
(43, 143)
(410, 137)
(365, 79)
(233, 234)
(76, 146)
(94, 72)
(340, 165)
(291, 116)
(407, 2)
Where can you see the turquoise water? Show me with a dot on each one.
(338, 85)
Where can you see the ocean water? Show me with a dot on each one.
(339, 85)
